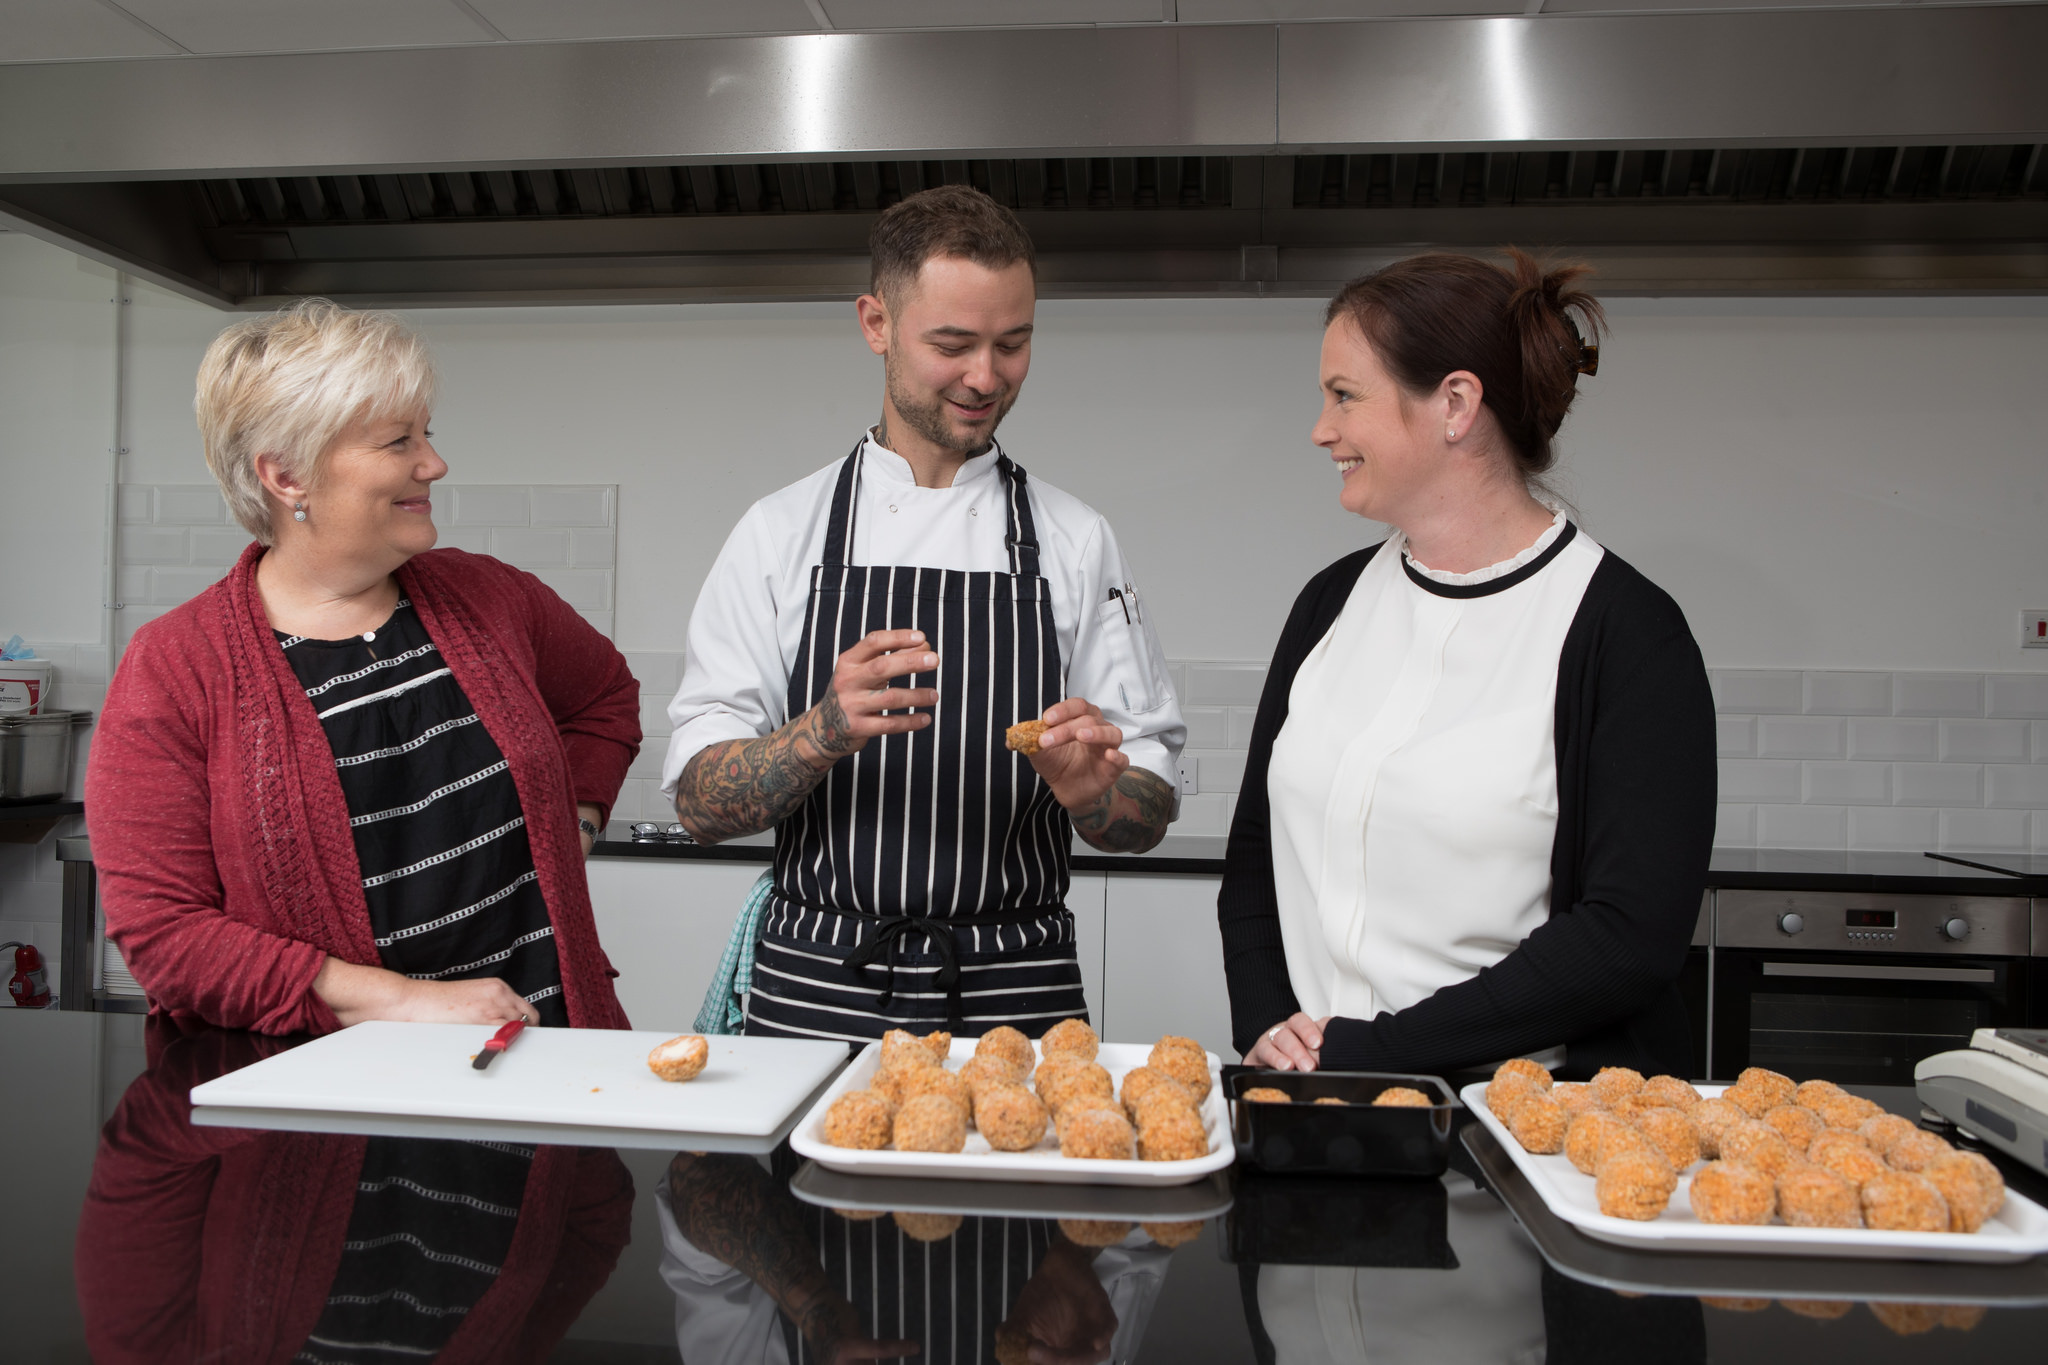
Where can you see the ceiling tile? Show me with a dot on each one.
(537, 20)
(63, 30)
(858, 14)
(307, 25)
(1648, 6)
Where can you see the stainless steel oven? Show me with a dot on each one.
(1857, 987)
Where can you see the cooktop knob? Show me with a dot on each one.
(1955, 929)
(1791, 922)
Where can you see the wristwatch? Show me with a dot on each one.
(592, 830)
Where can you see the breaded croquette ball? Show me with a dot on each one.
(1092, 1134)
(1906, 1319)
(1807, 1092)
(1635, 1184)
(1024, 735)
(1006, 1045)
(1402, 1097)
(1171, 1132)
(1899, 1201)
(900, 1047)
(1610, 1083)
(1632, 1107)
(1539, 1124)
(1071, 1036)
(1265, 1094)
(1537, 1074)
(1847, 1155)
(1845, 1110)
(1972, 1186)
(1820, 1310)
(1729, 1192)
(1712, 1118)
(1670, 1092)
(980, 1072)
(1798, 1125)
(1064, 1076)
(1171, 1235)
(1916, 1149)
(1757, 1144)
(860, 1119)
(861, 1215)
(1733, 1305)
(1010, 1117)
(1671, 1133)
(1504, 1093)
(930, 1123)
(1141, 1081)
(1767, 1082)
(1190, 1068)
(1094, 1232)
(1595, 1136)
(1330, 1099)
(1812, 1196)
(935, 1080)
(1175, 1042)
(1882, 1130)
(680, 1059)
(1576, 1096)
(927, 1227)
(1752, 1101)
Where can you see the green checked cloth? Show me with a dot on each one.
(724, 1004)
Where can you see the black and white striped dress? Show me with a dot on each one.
(431, 1226)
(440, 836)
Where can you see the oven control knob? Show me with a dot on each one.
(1791, 922)
(1955, 929)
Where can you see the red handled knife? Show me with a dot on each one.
(500, 1040)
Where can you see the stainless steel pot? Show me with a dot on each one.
(35, 755)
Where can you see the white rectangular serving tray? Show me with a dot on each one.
(1042, 1164)
(560, 1086)
(2019, 1231)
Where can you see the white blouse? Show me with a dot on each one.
(1414, 784)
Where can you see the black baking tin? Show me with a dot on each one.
(1306, 1138)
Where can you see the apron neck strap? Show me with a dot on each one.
(1020, 533)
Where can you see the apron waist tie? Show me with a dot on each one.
(889, 929)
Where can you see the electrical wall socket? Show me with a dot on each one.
(2034, 630)
(1188, 785)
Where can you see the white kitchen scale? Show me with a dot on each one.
(1996, 1090)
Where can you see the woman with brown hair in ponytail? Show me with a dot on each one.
(1479, 801)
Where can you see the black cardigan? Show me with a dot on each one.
(1635, 825)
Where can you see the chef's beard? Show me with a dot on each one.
(926, 414)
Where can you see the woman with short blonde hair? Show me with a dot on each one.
(345, 782)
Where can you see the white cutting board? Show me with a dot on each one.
(553, 1085)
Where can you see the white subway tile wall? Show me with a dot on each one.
(1808, 759)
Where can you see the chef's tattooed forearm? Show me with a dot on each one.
(728, 1207)
(1131, 816)
(744, 786)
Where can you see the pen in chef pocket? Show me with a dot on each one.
(1119, 599)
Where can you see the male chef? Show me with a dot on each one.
(867, 638)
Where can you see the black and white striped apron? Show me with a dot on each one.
(925, 879)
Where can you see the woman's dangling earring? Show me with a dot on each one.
(298, 511)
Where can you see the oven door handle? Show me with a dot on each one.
(1974, 975)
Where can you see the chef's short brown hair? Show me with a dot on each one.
(949, 220)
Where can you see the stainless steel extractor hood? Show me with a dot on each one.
(1850, 151)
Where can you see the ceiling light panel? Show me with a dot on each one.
(543, 20)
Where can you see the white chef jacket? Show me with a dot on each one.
(747, 633)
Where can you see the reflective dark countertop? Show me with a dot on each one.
(138, 1236)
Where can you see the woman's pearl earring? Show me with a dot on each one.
(298, 511)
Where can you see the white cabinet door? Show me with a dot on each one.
(1084, 898)
(664, 922)
(1163, 962)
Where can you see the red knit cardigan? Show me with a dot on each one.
(219, 829)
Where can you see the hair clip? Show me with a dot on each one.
(1588, 358)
